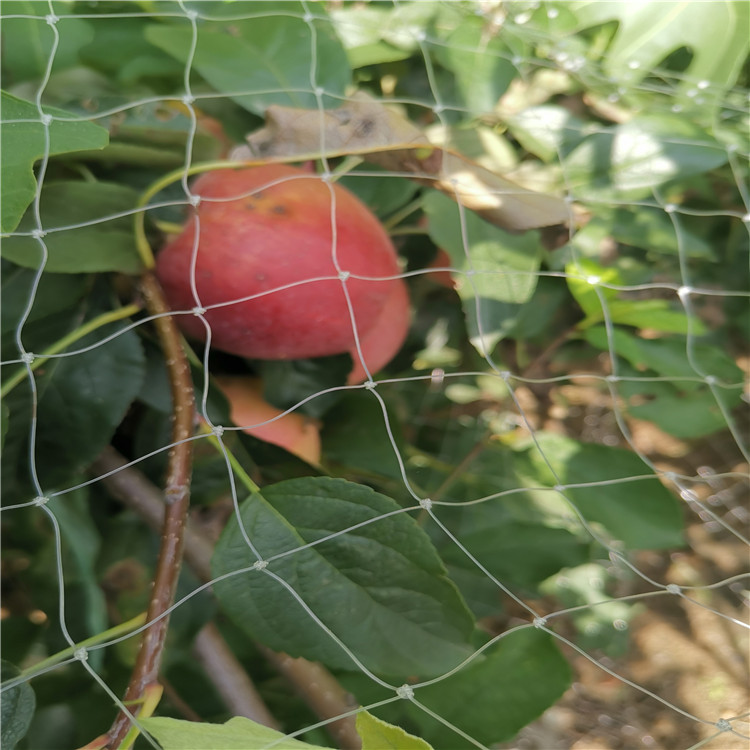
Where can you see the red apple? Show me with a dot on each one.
(294, 432)
(261, 229)
(381, 343)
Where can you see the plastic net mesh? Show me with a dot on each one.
(564, 422)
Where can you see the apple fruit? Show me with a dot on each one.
(382, 342)
(268, 233)
(294, 432)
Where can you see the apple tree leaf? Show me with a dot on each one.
(375, 582)
(23, 143)
(105, 242)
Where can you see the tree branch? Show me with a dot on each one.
(313, 682)
(176, 501)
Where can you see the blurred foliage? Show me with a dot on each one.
(639, 122)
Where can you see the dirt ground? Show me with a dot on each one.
(691, 655)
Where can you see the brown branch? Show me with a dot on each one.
(313, 682)
(138, 493)
(229, 678)
(176, 501)
(323, 693)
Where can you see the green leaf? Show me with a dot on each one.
(505, 267)
(669, 357)
(16, 709)
(360, 29)
(354, 435)
(603, 626)
(548, 131)
(270, 57)
(107, 244)
(120, 50)
(687, 415)
(715, 32)
(498, 693)
(382, 193)
(236, 734)
(641, 513)
(596, 299)
(480, 62)
(365, 585)
(591, 296)
(377, 734)
(23, 143)
(82, 399)
(4, 417)
(287, 382)
(651, 314)
(53, 313)
(28, 43)
(640, 154)
(652, 229)
(518, 553)
(82, 543)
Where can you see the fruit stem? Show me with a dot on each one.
(66, 341)
(402, 213)
(144, 249)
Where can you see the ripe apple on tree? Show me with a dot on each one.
(290, 241)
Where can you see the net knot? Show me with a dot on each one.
(188, 99)
(198, 310)
(539, 622)
(593, 280)
(673, 588)
(28, 357)
(308, 17)
(371, 385)
(81, 654)
(46, 119)
(437, 376)
(40, 500)
(51, 19)
(683, 292)
(425, 503)
(218, 430)
(724, 725)
(344, 275)
(194, 200)
(37, 234)
(260, 565)
(191, 14)
(405, 691)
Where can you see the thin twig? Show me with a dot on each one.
(176, 501)
(229, 678)
(323, 693)
(313, 682)
(138, 493)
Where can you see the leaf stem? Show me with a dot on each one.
(66, 341)
(115, 632)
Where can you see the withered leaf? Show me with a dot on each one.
(381, 135)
